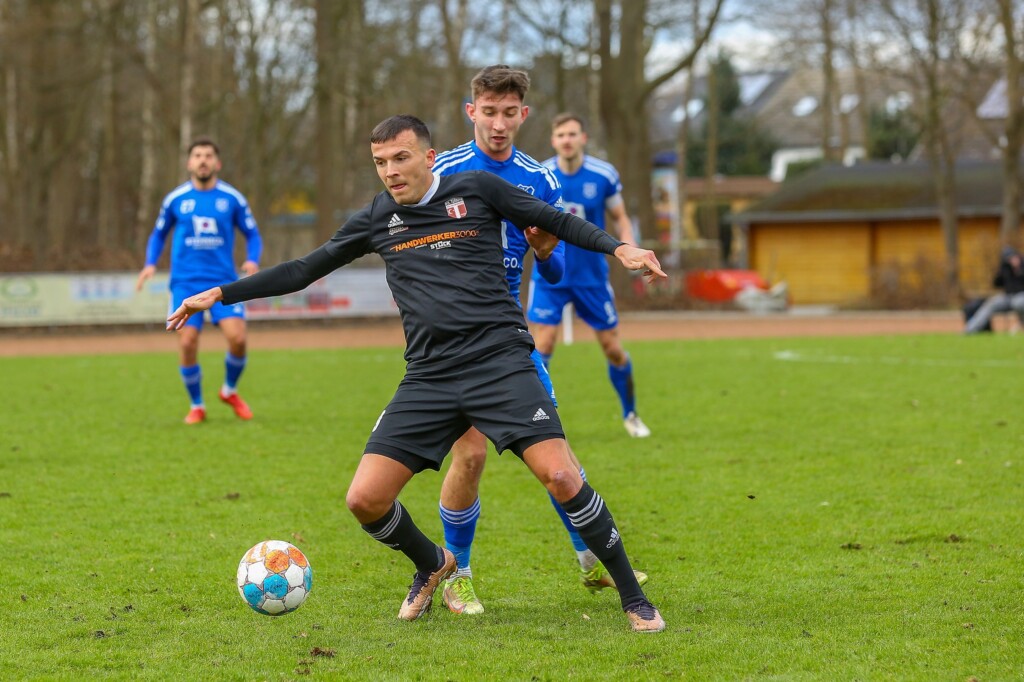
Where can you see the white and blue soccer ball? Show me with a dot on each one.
(274, 578)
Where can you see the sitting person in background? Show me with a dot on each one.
(1010, 278)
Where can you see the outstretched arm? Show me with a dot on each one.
(522, 208)
(348, 243)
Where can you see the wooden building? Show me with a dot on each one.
(870, 233)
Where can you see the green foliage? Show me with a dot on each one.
(808, 509)
(891, 136)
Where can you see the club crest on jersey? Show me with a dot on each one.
(204, 226)
(222, 205)
(456, 208)
(526, 188)
(590, 189)
(188, 205)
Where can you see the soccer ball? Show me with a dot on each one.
(274, 578)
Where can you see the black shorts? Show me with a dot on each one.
(498, 393)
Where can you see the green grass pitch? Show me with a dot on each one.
(808, 509)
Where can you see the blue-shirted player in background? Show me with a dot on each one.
(497, 111)
(590, 188)
(203, 214)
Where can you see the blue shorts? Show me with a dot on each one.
(594, 305)
(218, 312)
(543, 375)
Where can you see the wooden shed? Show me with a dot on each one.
(845, 235)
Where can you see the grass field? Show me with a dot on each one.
(808, 509)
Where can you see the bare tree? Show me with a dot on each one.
(189, 18)
(1013, 131)
(145, 207)
(929, 31)
(624, 40)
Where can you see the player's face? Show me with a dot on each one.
(403, 165)
(496, 120)
(568, 140)
(203, 163)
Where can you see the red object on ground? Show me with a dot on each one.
(719, 286)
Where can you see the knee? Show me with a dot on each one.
(563, 484)
(470, 460)
(365, 505)
(236, 344)
(616, 355)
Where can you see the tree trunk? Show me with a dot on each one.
(708, 201)
(1014, 131)
(189, 48)
(19, 232)
(326, 45)
(678, 226)
(829, 147)
(108, 228)
(453, 25)
(146, 213)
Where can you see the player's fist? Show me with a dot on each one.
(250, 267)
(543, 243)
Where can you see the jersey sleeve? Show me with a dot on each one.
(553, 268)
(613, 190)
(351, 241)
(525, 209)
(246, 224)
(157, 239)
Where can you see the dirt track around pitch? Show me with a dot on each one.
(388, 332)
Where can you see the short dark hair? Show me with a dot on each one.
(393, 126)
(567, 116)
(500, 79)
(204, 141)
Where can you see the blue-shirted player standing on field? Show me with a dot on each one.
(203, 214)
(497, 111)
(590, 188)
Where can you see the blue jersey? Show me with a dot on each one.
(203, 223)
(520, 170)
(584, 194)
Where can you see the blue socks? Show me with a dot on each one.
(459, 530)
(622, 380)
(233, 368)
(193, 378)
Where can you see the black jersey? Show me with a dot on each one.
(443, 262)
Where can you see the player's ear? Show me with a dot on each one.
(431, 155)
(526, 111)
(471, 111)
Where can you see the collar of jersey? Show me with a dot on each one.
(430, 192)
(491, 162)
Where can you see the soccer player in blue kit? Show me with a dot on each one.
(203, 214)
(590, 188)
(497, 111)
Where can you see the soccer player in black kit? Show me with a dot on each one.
(467, 348)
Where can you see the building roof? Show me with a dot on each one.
(756, 88)
(875, 191)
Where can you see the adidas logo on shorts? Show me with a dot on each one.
(540, 415)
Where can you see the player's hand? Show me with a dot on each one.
(144, 274)
(635, 258)
(250, 267)
(191, 305)
(543, 243)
